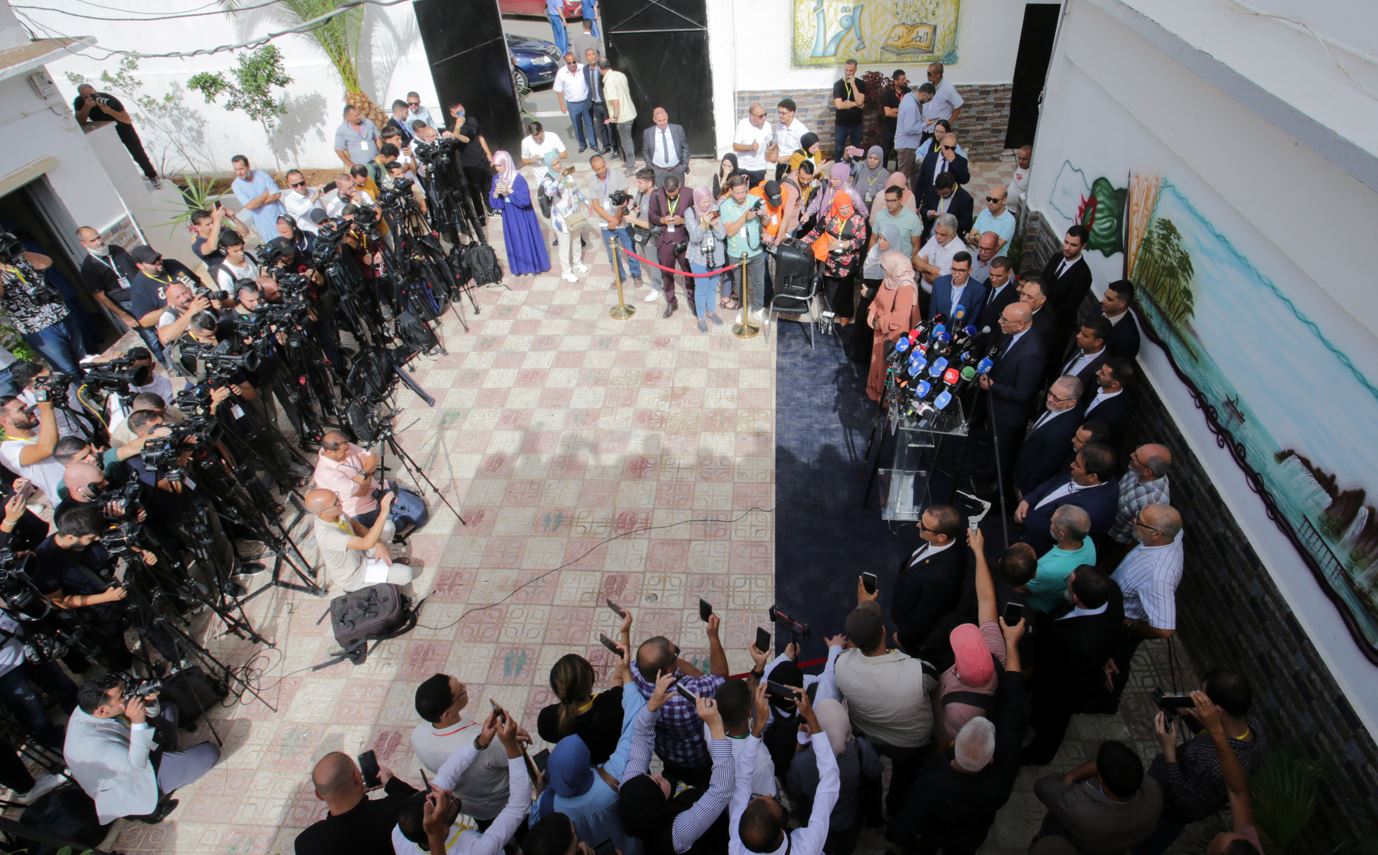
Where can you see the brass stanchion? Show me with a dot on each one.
(744, 329)
(621, 311)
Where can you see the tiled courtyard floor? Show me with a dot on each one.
(591, 458)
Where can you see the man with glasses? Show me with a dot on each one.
(788, 135)
(955, 289)
(942, 159)
(995, 217)
(572, 91)
(343, 541)
(1045, 447)
(929, 582)
(1148, 576)
(1146, 483)
(300, 200)
(415, 112)
(754, 143)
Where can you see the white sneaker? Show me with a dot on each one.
(759, 315)
(581, 269)
(652, 296)
(570, 277)
(43, 785)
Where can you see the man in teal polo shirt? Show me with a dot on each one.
(740, 219)
(1070, 527)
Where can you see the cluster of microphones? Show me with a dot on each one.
(931, 364)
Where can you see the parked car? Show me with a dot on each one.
(534, 61)
(574, 9)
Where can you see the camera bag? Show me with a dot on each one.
(374, 613)
(193, 693)
(482, 264)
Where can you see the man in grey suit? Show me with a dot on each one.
(1105, 805)
(665, 148)
(115, 755)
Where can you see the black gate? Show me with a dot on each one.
(662, 46)
(470, 63)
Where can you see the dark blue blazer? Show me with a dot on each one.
(1099, 502)
(973, 299)
(1014, 383)
(1046, 451)
(1124, 337)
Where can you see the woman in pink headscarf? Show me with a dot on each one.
(839, 180)
(889, 314)
(521, 231)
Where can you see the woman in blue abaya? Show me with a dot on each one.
(521, 231)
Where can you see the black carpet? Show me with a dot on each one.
(824, 538)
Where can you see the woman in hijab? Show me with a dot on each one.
(585, 789)
(857, 761)
(868, 176)
(839, 180)
(670, 821)
(886, 239)
(707, 251)
(726, 169)
(889, 314)
(521, 231)
(845, 232)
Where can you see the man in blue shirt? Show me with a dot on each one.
(258, 193)
(740, 218)
(995, 218)
(555, 11)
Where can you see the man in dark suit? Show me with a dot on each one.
(668, 206)
(1089, 484)
(665, 148)
(948, 198)
(940, 159)
(1070, 649)
(1115, 306)
(957, 289)
(1001, 290)
(1067, 279)
(929, 584)
(1045, 317)
(1087, 355)
(1045, 449)
(1110, 403)
(1013, 383)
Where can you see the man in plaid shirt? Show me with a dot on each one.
(679, 731)
(1146, 483)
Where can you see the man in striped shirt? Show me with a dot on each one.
(1146, 483)
(1148, 576)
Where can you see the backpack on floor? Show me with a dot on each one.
(482, 264)
(374, 613)
(66, 813)
(193, 693)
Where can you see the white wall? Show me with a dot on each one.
(396, 63)
(1115, 104)
(41, 128)
(749, 48)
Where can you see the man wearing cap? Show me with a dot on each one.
(887, 694)
(772, 212)
(148, 297)
(967, 689)
(957, 793)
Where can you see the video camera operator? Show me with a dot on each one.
(20, 680)
(68, 409)
(121, 434)
(123, 753)
(132, 373)
(176, 316)
(30, 436)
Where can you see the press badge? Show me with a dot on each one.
(237, 411)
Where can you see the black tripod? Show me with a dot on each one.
(382, 430)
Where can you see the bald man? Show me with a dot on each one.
(353, 822)
(1144, 484)
(107, 272)
(353, 556)
(1148, 577)
(1013, 382)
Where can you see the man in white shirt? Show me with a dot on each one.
(345, 193)
(753, 142)
(665, 148)
(787, 135)
(1019, 185)
(572, 91)
(415, 111)
(946, 103)
(300, 200)
(1148, 578)
(935, 259)
(534, 147)
(30, 437)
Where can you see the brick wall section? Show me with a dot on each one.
(980, 127)
(1230, 613)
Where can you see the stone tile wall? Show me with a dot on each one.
(1232, 614)
(980, 128)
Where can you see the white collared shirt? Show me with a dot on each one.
(1065, 490)
(928, 550)
(787, 137)
(1101, 397)
(663, 151)
(747, 133)
(1048, 415)
(572, 84)
(1080, 611)
(1080, 361)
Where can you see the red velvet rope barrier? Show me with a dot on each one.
(807, 663)
(673, 270)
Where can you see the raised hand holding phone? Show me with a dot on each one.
(664, 680)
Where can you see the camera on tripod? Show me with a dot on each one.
(118, 374)
(25, 602)
(399, 195)
(431, 152)
(221, 365)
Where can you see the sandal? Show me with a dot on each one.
(729, 303)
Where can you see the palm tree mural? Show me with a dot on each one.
(1164, 271)
(338, 38)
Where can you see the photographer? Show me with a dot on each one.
(35, 308)
(30, 437)
(130, 375)
(127, 768)
(68, 409)
(237, 265)
(740, 219)
(342, 542)
(20, 528)
(149, 292)
(176, 317)
(351, 473)
(608, 203)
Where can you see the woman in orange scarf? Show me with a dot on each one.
(889, 314)
(843, 236)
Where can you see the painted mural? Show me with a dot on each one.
(883, 32)
(1294, 409)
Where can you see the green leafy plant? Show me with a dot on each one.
(249, 88)
(1284, 792)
